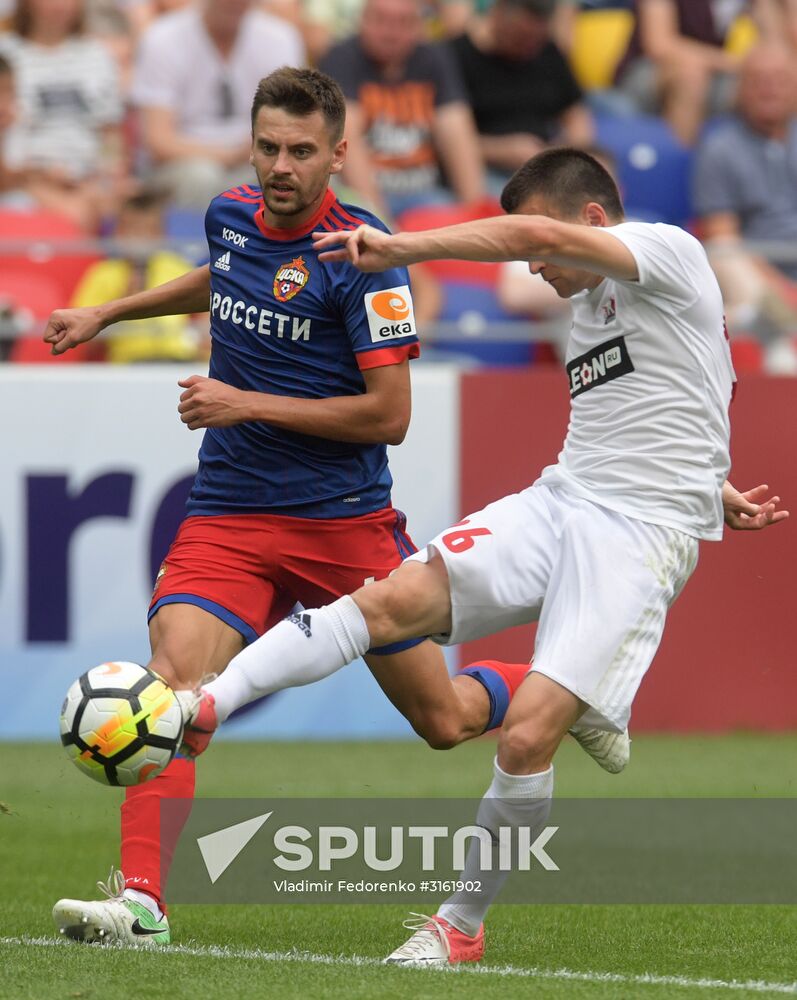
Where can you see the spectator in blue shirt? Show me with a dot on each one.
(745, 190)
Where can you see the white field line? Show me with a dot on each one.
(358, 961)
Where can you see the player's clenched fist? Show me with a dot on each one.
(69, 327)
(368, 248)
(207, 402)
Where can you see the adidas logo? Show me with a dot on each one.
(223, 263)
(303, 621)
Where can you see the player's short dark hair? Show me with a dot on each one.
(567, 179)
(301, 92)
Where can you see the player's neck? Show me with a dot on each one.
(292, 221)
(296, 223)
(593, 281)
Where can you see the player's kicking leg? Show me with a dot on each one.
(307, 647)
(187, 643)
(442, 711)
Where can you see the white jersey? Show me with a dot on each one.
(651, 381)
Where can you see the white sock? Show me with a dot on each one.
(300, 649)
(146, 900)
(511, 800)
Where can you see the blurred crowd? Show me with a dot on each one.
(121, 119)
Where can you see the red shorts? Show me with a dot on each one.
(251, 569)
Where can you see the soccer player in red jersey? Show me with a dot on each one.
(308, 384)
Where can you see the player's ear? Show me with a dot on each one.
(594, 214)
(339, 156)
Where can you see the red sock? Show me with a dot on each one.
(500, 681)
(145, 855)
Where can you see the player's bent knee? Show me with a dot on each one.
(526, 744)
(439, 733)
(414, 601)
(393, 609)
(400, 601)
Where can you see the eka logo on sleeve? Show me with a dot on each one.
(290, 279)
(603, 363)
(390, 313)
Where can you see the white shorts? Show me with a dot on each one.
(600, 584)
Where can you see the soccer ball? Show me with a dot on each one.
(121, 723)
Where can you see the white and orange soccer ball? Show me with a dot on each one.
(121, 724)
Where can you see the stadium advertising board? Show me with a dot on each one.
(96, 470)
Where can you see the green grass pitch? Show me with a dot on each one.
(58, 835)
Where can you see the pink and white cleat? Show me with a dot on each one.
(199, 721)
(436, 942)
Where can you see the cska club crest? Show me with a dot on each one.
(290, 279)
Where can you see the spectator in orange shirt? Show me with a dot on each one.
(411, 134)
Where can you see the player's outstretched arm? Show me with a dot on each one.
(368, 248)
(187, 294)
(508, 237)
(752, 509)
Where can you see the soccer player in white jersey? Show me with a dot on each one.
(599, 547)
